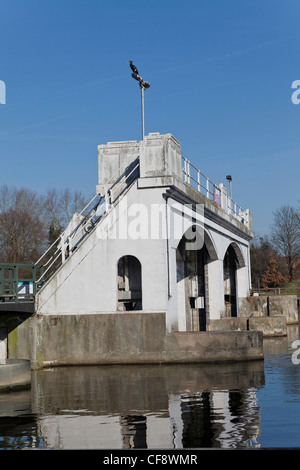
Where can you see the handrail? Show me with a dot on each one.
(188, 177)
(48, 249)
(84, 220)
(96, 195)
(59, 237)
(44, 272)
(119, 181)
(212, 191)
(122, 166)
(69, 241)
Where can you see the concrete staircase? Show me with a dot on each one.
(84, 223)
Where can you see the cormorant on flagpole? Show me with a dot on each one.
(143, 86)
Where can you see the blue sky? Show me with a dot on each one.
(220, 73)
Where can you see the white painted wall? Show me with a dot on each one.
(3, 345)
(87, 281)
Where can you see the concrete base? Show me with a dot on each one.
(126, 338)
(15, 374)
(213, 346)
(268, 306)
(269, 326)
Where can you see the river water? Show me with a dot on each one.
(252, 404)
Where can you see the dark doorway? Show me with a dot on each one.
(191, 266)
(230, 296)
(129, 284)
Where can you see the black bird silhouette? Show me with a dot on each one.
(133, 67)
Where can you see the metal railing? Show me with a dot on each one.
(69, 240)
(123, 182)
(196, 178)
(84, 222)
(18, 282)
(295, 290)
(216, 193)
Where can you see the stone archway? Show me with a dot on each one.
(192, 283)
(129, 284)
(239, 255)
(233, 260)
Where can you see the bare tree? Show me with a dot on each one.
(30, 222)
(58, 208)
(5, 198)
(72, 202)
(51, 209)
(286, 235)
(22, 236)
(19, 199)
(261, 251)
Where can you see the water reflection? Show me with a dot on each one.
(155, 407)
(279, 345)
(137, 407)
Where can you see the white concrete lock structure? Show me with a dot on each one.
(167, 240)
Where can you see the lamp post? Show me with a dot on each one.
(230, 179)
(143, 86)
(143, 109)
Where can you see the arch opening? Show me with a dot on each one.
(129, 284)
(230, 265)
(192, 285)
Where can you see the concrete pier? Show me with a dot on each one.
(269, 306)
(269, 326)
(126, 338)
